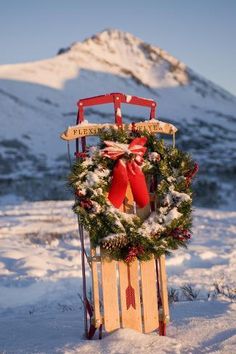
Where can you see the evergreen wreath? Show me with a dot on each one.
(126, 236)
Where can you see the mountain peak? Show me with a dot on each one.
(108, 34)
(123, 53)
(114, 34)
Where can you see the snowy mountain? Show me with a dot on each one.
(38, 101)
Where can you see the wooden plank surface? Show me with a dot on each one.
(149, 296)
(95, 286)
(152, 126)
(128, 205)
(143, 213)
(130, 317)
(164, 291)
(110, 293)
(149, 286)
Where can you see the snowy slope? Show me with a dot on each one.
(40, 283)
(38, 100)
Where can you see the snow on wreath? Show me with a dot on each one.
(159, 177)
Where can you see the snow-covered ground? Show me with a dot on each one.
(40, 284)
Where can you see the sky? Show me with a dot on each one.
(200, 33)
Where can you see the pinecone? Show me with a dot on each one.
(116, 242)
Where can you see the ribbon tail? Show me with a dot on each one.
(119, 184)
(138, 184)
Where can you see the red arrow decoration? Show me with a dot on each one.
(130, 293)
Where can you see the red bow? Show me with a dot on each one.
(126, 172)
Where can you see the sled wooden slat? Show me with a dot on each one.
(152, 126)
(110, 293)
(149, 296)
(148, 286)
(164, 291)
(128, 205)
(143, 213)
(131, 318)
(95, 286)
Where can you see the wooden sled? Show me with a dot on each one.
(147, 280)
(124, 295)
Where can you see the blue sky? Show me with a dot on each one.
(201, 33)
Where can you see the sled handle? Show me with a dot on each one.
(116, 99)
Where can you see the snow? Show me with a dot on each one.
(156, 222)
(154, 156)
(151, 226)
(118, 112)
(174, 195)
(92, 179)
(172, 215)
(128, 98)
(84, 122)
(40, 279)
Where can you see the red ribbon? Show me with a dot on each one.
(126, 172)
